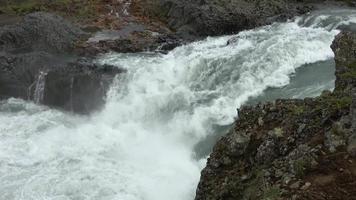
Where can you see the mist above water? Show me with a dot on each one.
(148, 142)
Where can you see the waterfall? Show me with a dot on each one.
(142, 145)
(40, 87)
(71, 93)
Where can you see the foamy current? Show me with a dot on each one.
(141, 146)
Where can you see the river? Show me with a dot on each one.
(162, 117)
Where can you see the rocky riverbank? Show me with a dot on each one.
(291, 149)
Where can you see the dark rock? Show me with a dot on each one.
(6, 19)
(344, 47)
(267, 151)
(216, 17)
(18, 72)
(351, 148)
(297, 141)
(336, 137)
(34, 65)
(78, 87)
(237, 143)
(40, 32)
(55, 81)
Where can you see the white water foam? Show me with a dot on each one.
(141, 146)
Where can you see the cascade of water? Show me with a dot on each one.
(40, 88)
(141, 145)
(71, 93)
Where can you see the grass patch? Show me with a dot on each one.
(351, 73)
(258, 188)
(271, 193)
(80, 9)
(341, 103)
(297, 110)
(337, 101)
(301, 166)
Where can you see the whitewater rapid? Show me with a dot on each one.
(142, 145)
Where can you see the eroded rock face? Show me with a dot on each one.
(35, 65)
(296, 149)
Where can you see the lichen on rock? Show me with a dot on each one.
(297, 149)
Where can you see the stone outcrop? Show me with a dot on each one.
(136, 42)
(37, 63)
(344, 47)
(191, 18)
(291, 149)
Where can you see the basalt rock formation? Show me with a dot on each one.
(291, 149)
(35, 65)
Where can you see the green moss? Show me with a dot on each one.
(348, 75)
(337, 101)
(337, 130)
(278, 132)
(74, 8)
(297, 110)
(271, 193)
(258, 188)
(300, 167)
(351, 73)
(25, 7)
(341, 103)
(253, 188)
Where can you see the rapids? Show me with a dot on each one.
(151, 140)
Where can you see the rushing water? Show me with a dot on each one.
(146, 143)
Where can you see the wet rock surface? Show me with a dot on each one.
(36, 64)
(296, 149)
(132, 43)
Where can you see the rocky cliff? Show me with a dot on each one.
(291, 149)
